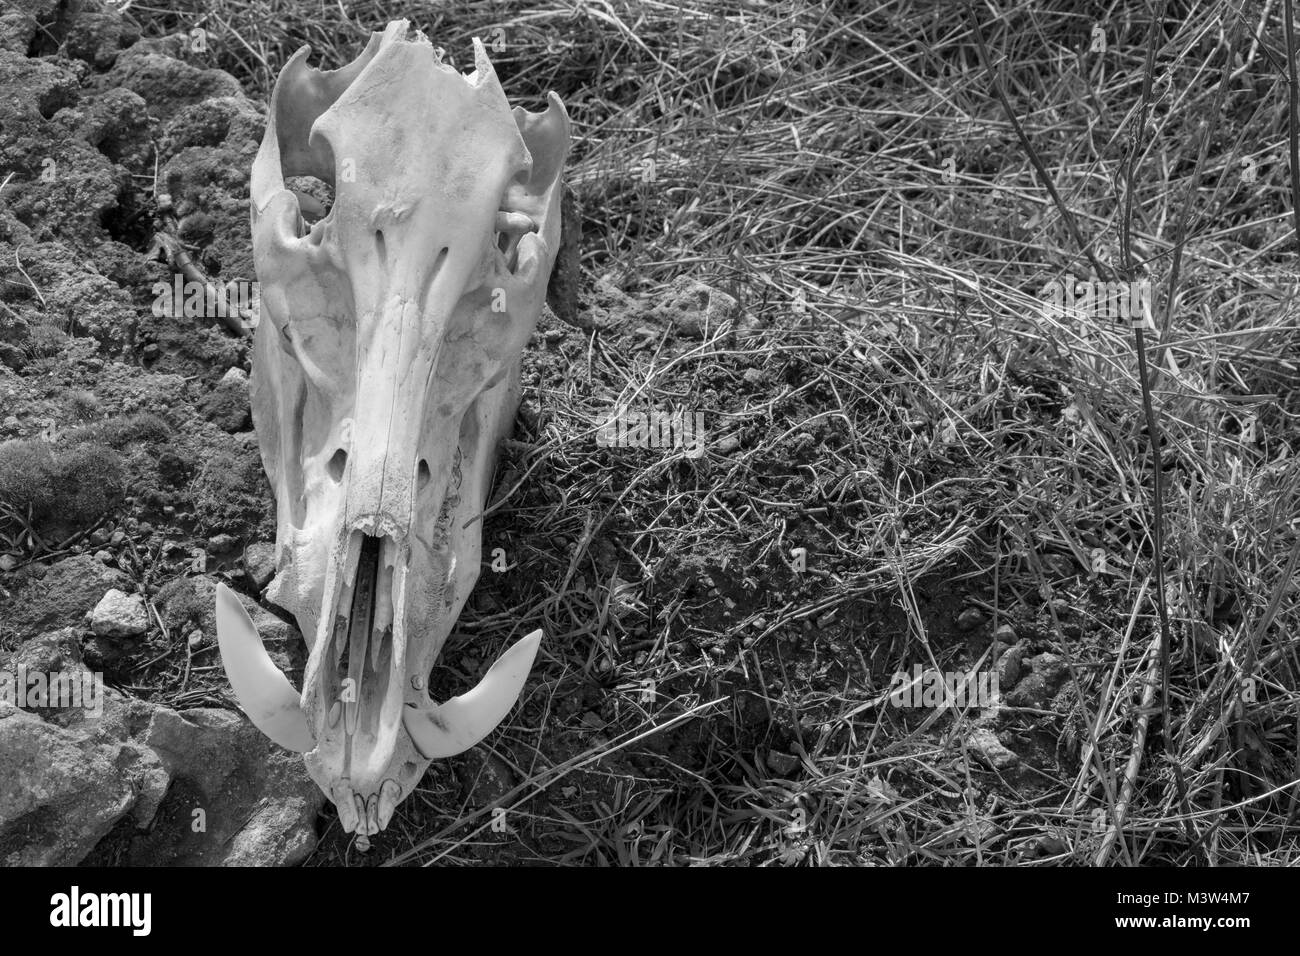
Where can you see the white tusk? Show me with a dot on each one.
(263, 691)
(444, 730)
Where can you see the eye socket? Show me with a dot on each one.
(422, 475)
(337, 463)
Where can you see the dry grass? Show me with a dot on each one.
(905, 410)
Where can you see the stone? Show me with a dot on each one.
(782, 763)
(1009, 669)
(227, 406)
(694, 308)
(119, 782)
(969, 619)
(986, 746)
(61, 791)
(259, 562)
(258, 805)
(221, 543)
(1047, 672)
(119, 615)
(46, 597)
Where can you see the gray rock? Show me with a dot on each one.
(119, 615)
(1047, 672)
(235, 376)
(63, 788)
(227, 406)
(221, 543)
(782, 763)
(236, 798)
(45, 598)
(694, 308)
(984, 744)
(1009, 667)
(969, 619)
(145, 785)
(259, 562)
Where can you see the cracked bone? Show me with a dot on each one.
(385, 370)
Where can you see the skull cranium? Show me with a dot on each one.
(386, 368)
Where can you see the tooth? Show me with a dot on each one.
(352, 558)
(263, 691)
(351, 708)
(514, 222)
(336, 711)
(363, 819)
(444, 730)
(342, 796)
(390, 795)
(383, 613)
(528, 257)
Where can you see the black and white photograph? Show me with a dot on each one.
(770, 434)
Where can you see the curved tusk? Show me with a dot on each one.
(444, 730)
(263, 691)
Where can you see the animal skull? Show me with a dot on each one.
(385, 369)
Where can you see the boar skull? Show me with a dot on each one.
(385, 370)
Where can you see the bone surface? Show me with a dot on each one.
(385, 371)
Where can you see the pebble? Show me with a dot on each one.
(782, 763)
(1010, 667)
(104, 557)
(119, 615)
(984, 744)
(970, 619)
(8, 562)
(220, 543)
(259, 562)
